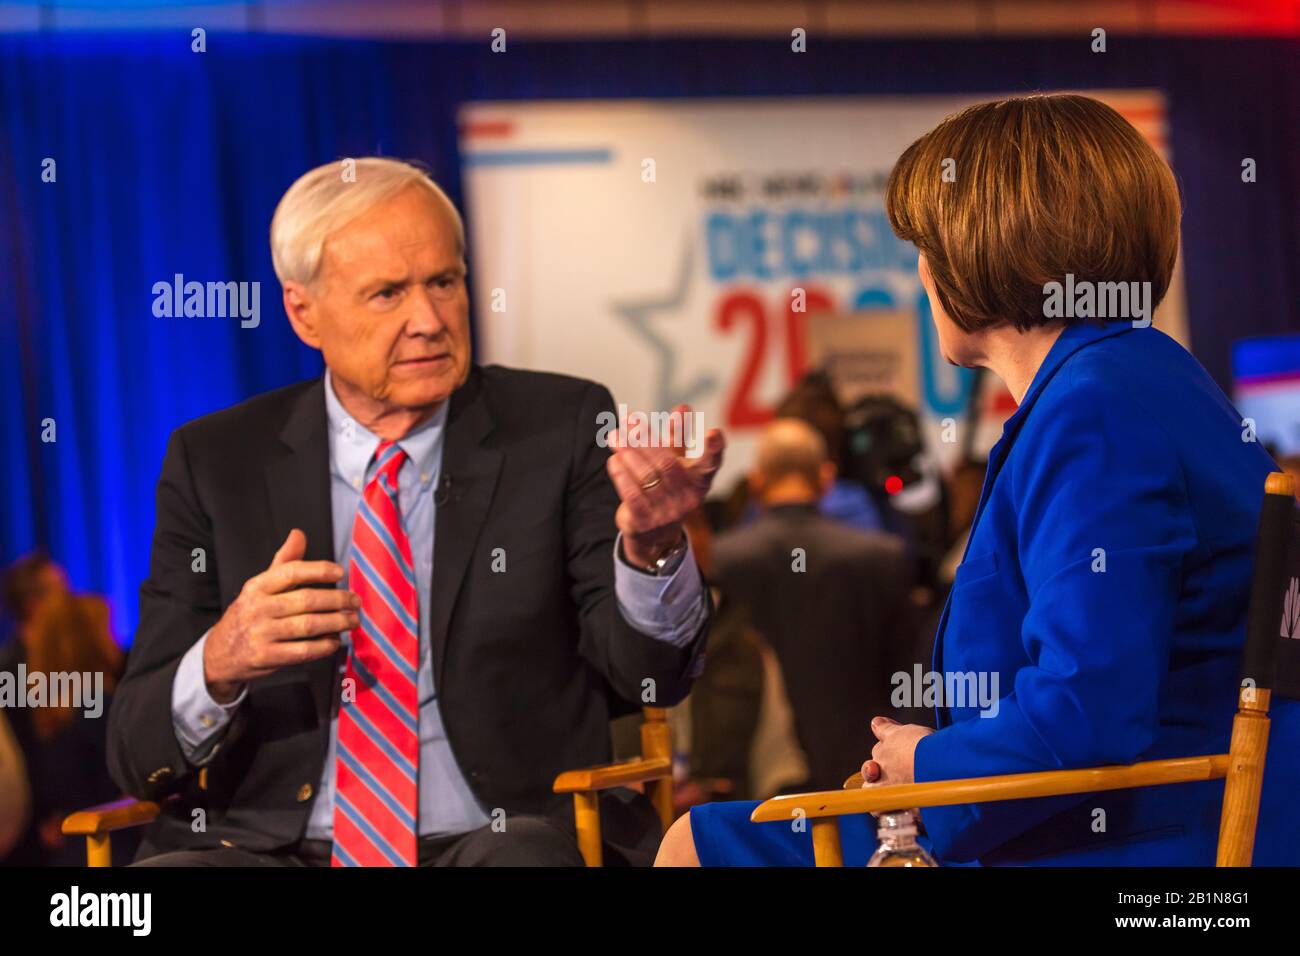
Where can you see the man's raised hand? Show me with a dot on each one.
(659, 486)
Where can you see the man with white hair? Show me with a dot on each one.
(386, 606)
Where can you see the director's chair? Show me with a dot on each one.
(1271, 663)
(653, 768)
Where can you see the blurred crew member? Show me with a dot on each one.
(830, 599)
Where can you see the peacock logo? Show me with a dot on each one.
(1291, 611)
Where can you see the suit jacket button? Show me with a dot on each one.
(304, 793)
(227, 843)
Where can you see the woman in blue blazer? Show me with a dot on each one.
(1105, 582)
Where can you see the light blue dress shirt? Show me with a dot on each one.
(671, 608)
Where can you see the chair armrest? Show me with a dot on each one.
(1015, 786)
(107, 817)
(613, 775)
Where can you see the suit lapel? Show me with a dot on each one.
(470, 470)
(298, 483)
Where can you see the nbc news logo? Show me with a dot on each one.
(1291, 611)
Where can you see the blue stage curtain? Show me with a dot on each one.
(170, 161)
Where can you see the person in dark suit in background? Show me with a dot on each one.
(503, 584)
(830, 599)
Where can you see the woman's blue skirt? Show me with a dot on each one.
(725, 837)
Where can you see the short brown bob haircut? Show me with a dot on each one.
(1038, 187)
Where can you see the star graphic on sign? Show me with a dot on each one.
(640, 316)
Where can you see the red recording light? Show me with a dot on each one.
(893, 484)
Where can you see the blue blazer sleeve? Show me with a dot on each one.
(1100, 530)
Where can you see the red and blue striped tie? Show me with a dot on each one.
(376, 770)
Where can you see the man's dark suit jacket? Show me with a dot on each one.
(839, 627)
(530, 663)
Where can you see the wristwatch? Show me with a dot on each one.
(660, 564)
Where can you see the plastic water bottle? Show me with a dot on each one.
(898, 847)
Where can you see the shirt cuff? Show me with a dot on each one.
(669, 607)
(197, 719)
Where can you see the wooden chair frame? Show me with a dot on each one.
(654, 768)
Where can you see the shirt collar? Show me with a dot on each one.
(352, 445)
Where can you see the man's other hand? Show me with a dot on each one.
(278, 619)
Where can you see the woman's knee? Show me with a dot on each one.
(678, 846)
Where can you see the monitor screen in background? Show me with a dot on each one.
(1266, 379)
